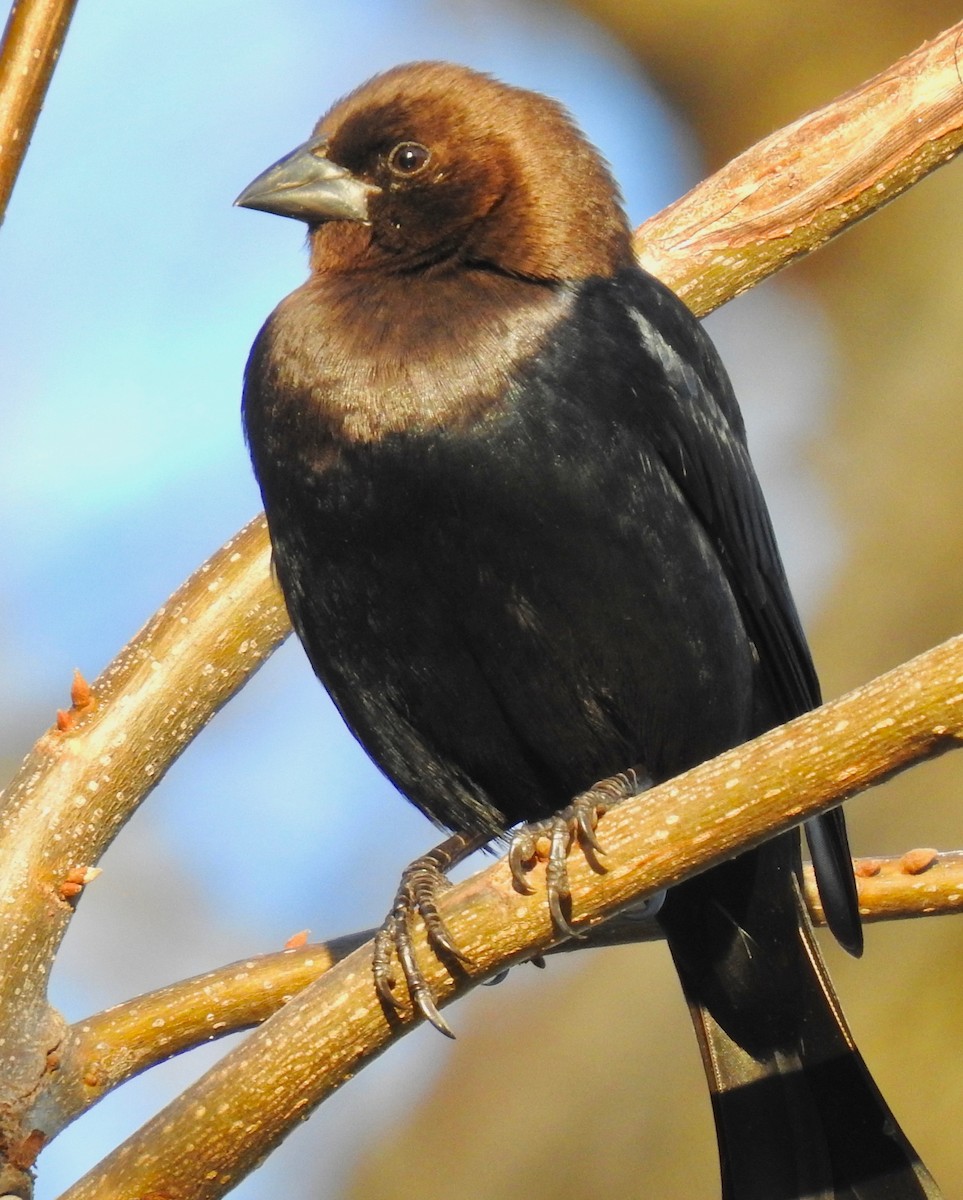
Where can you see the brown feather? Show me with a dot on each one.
(486, 197)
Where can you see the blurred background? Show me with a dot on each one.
(130, 292)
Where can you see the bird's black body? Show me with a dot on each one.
(510, 612)
(521, 539)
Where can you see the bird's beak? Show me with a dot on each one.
(308, 186)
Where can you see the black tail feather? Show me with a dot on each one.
(798, 1116)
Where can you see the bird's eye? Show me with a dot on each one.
(408, 158)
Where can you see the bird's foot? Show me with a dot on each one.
(421, 883)
(552, 839)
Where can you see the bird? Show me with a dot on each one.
(521, 540)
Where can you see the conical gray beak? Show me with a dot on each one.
(308, 186)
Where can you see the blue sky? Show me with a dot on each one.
(130, 292)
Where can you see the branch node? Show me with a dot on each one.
(81, 696)
(915, 862)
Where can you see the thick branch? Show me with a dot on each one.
(329, 1031)
(102, 1052)
(84, 779)
(804, 184)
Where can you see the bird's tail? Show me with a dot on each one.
(798, 1116)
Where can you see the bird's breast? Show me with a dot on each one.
(367, 359)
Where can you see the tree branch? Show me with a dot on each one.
(806, 183)
(216, 1131)
(32, 41)
(87, 775)
(103, 1051)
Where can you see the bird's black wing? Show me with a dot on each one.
(692, 420)
(797, 1114)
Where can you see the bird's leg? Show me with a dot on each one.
(575, 823)
(420, 884)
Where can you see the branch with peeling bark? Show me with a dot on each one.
(87, 776)
(801, 186)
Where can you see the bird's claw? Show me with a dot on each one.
(420, 885)
(560, 832)
(575, 823)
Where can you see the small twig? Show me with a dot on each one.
(103, 1051)
(32, 41)
(919, 883)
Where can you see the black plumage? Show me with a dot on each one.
(521, 539)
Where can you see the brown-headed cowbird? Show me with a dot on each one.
(522, 542)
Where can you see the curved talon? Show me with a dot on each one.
(578, 823)
(395, 935)
(418, 988)
(521, 852)
(556, 874)
(385, 939)
(586, 810)
(416, 895)
(586, 819)
(422, 887)
(561, 921)
(582, 817)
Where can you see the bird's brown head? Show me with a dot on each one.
(433, 165)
